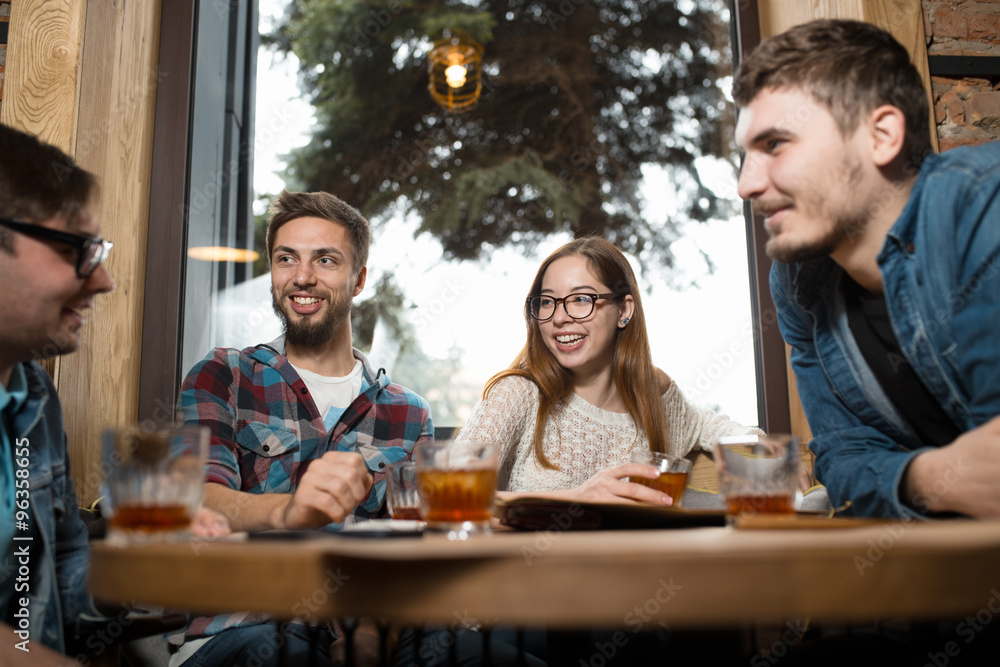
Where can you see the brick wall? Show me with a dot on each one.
(4, 17)
(967, 110)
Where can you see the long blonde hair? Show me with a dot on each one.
(631, 361)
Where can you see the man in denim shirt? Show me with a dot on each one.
(51, 268)
(886, 281)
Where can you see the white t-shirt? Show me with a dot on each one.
(332, 395)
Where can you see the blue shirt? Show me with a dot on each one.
(12, 399)
(59, 603)
(940, 267)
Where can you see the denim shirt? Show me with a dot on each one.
(940, 267)
(60, 607)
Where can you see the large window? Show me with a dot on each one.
(616, 121)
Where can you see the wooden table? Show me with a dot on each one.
(699, 578)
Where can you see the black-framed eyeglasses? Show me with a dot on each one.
(91, 250)
(578, 305)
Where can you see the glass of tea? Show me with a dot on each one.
(673, 473)
(401, 490)
(152, 482)
(456, 483)
(758, 474)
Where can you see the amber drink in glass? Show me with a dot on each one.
(673, 473)
(456, 484)
(153, 480)
(758, 475)
(401, 491)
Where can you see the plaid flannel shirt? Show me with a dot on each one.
(265, 429)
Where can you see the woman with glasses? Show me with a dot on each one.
(583, 393)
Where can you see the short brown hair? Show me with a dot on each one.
(850, 67)
(39, 182)
(290, 206)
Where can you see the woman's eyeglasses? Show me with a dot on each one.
(577, 306)
(91, 251)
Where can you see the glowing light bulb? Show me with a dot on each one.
(455, 75)
(454, 69)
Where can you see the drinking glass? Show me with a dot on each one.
(456, 484)
(153, 481)
(401, 490)
(758, 474)
(673, 473)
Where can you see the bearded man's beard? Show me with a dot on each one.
(310, 332)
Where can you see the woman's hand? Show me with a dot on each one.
(609, 485)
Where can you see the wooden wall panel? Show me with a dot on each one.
(780, 15)
(99, 384)
(82, 76)
(42, 73)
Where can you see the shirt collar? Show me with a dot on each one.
(14, 395)
(277, 347)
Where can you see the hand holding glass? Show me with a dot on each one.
(673, 473)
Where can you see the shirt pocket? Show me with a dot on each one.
(377, 458)
(269, 459)
(268, 441)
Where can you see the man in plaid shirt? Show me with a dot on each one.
(302, 427)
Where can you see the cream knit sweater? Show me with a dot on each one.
(579, 438)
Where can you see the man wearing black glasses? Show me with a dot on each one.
(91, 251)
(51, 268)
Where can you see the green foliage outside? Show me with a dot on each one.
(578, 95)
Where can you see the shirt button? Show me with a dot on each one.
(266, 448)
(909, 248)
(304, 390)
(381, 465)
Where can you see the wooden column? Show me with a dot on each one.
(43, 66)
(82, 76)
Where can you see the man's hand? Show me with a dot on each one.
(962, 477)
(209, 523)
(35, 654)
(330, 489)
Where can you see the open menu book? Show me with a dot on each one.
(536, 513)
